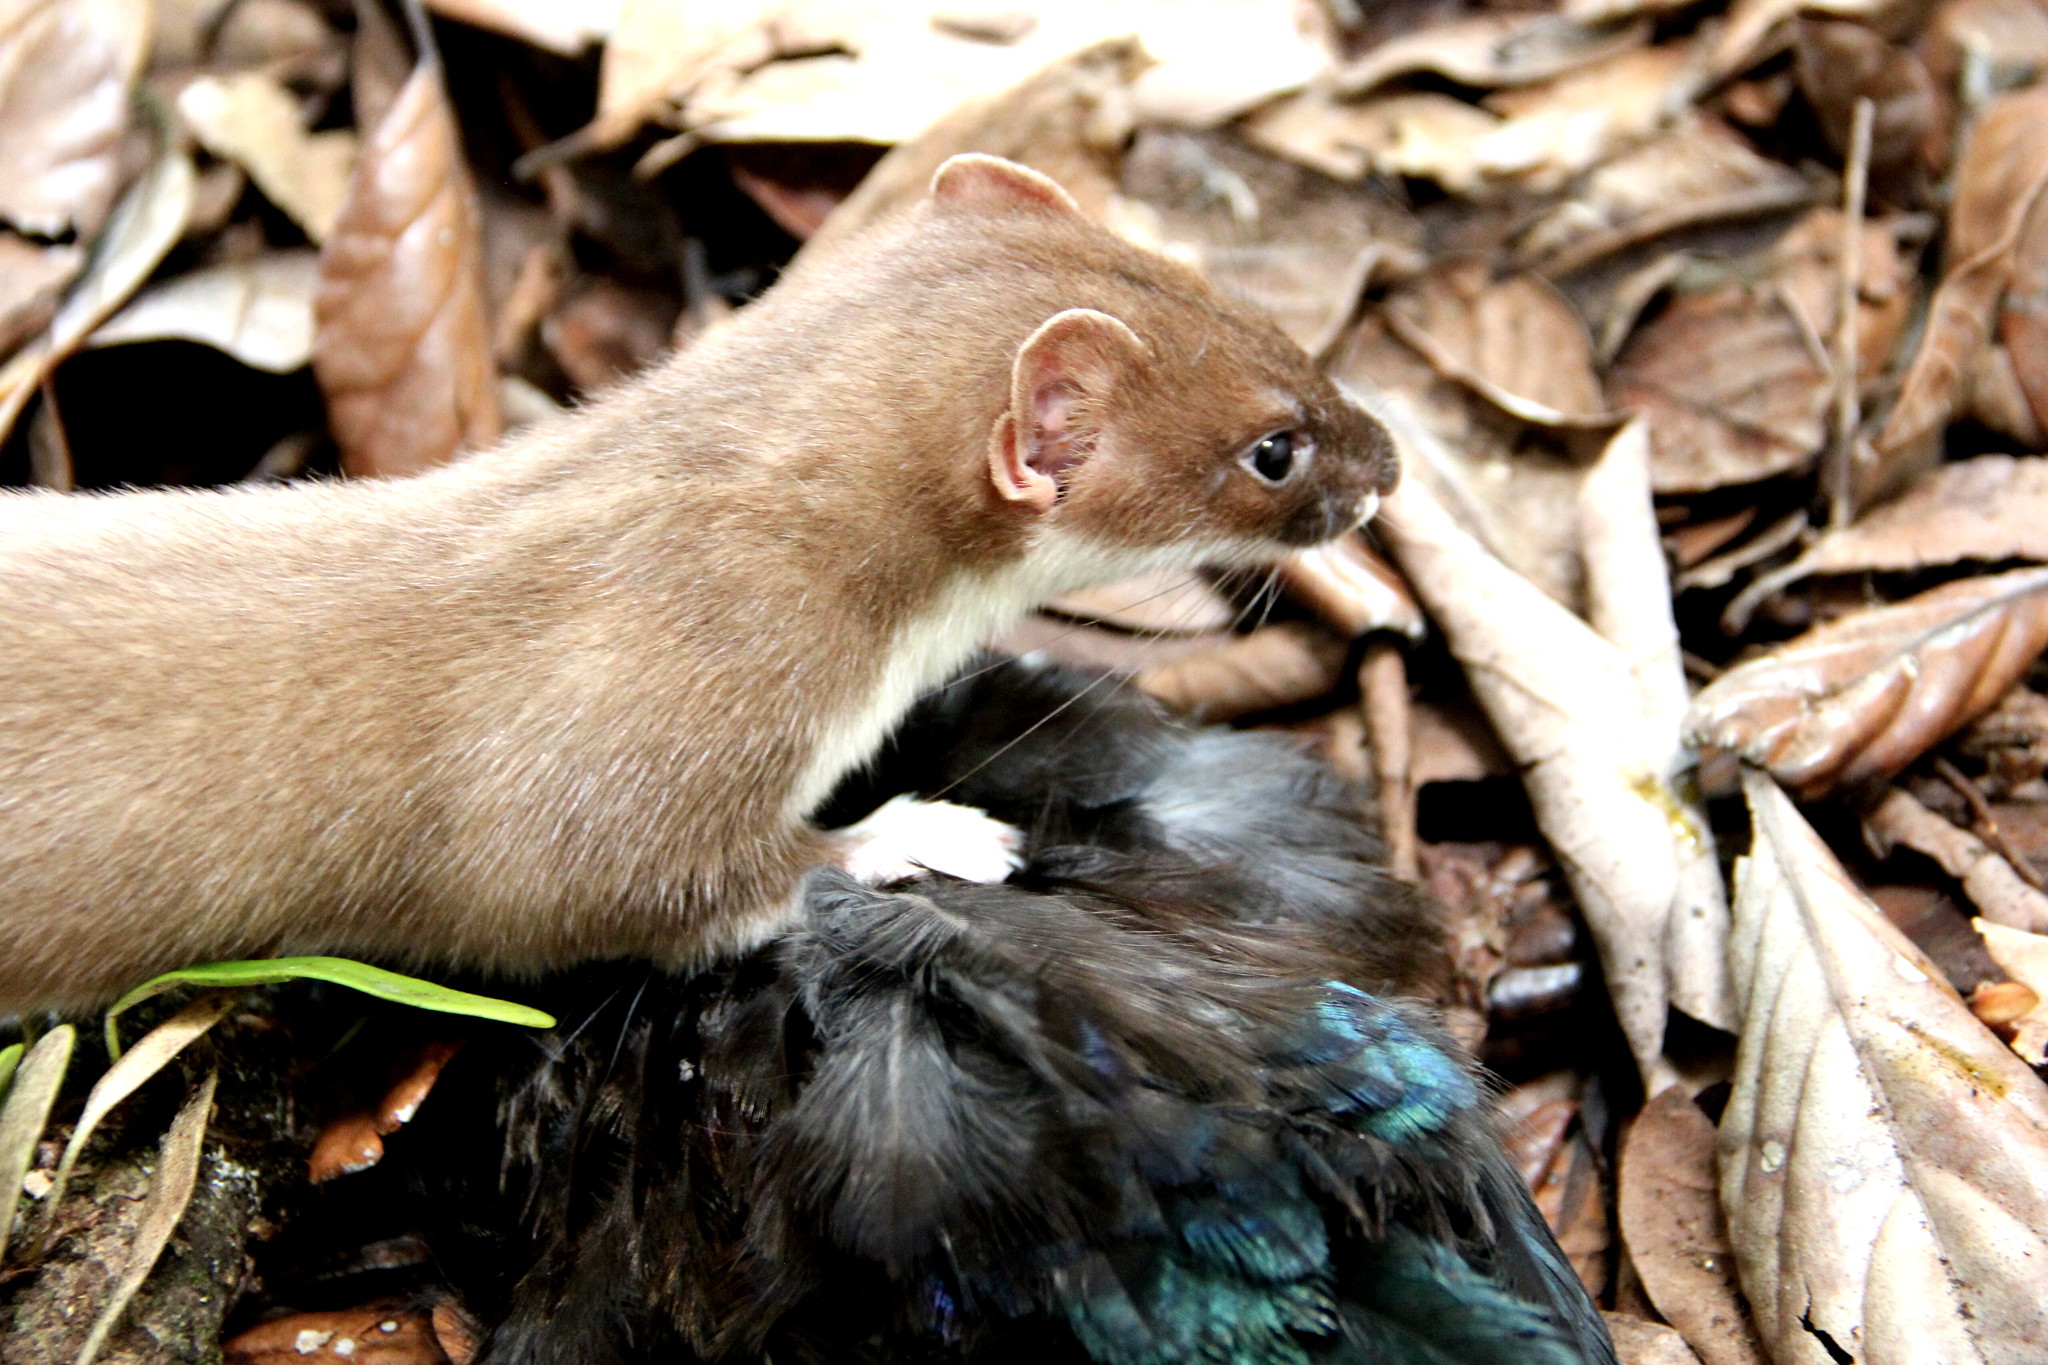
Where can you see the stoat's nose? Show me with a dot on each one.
(1367, 506)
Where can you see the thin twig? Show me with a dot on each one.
(1838, 477)
(1383, 697)
(1986, 823)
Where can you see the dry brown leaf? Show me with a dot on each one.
(601, 331)
(28, 1097)
(1581, 119)
(1698, 172)
(1884, 1158)
(1271, 667)
(260, 311)
(1671, 1222)
(1490, 51)
(1858, 699)
(2024, 957)
(1352, 588)
(1988, 879)
(1999, 179)
(1291, 242)
(1637, 1342)
(250, 118)
(386, 1334)
(144, 226)
(1418, 133)
(1166, 602)
(1840, 62)
(67, 73)
(1512, 341)
(170, 1193)
(402, 344)
(1736, 379)
(1571, 712)
(1742, 40)
(1991, 508)
(1516, 494)
(1980, 48)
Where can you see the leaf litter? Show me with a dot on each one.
(1586, 257)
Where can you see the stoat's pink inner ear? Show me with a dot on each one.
(973, 180)
(1063, 386)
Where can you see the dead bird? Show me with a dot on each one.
(1161, 1098)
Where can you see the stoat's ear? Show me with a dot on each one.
(975, 181)
(1062, 387)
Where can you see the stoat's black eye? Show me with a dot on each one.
(1272, 457)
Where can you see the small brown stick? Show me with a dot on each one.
(1990, 882)
(1839, 475)
(1984, 822)
(1383, 696)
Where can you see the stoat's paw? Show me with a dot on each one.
(906, 837)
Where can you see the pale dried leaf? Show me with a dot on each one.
(1991, 508)
(1628, 601)
(67, 72)
(144, 226)
(1490, 51)
(1859, 698)
(37, 1080)
(1999, 179)
(564, 26)
(2024, 957)
(1736, 379)
(170, 1193)
(1271, 667)
(1988, 879)
(1166, 602)
(252, 120)
(260, 311)
(1884, 1158)
(402, 344)
(1565, 126)
(151, 1054)
(1671, 1221)
(1421, 134)
(1981, 48)
(1570, 712)
(1349, 586)
(1637, 1342)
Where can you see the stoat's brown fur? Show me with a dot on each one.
(577, 696)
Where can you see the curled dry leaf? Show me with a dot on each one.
(1416, 133)
(252, 120)
(2024, 957)
(402, 344)
(1737, 378)
(1352, 588)
(1990, 508)
(1884, 1158)
(1988, 879)
(355, 1142)
(1999, 179)
(1571, 712)
(1858, 699)
(1272, 667)
(260, 311)
(1671, 1222)
(67, 74)
(1742, 40)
